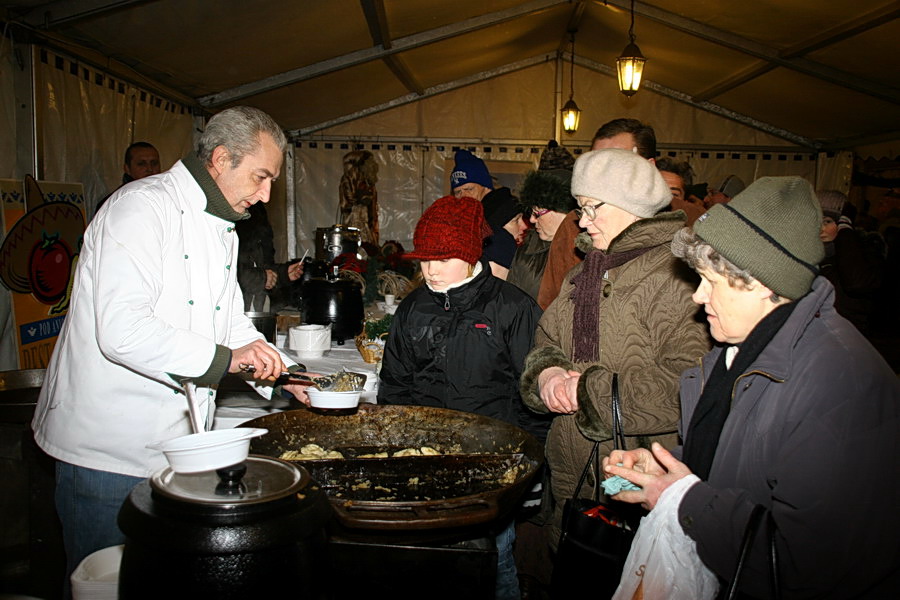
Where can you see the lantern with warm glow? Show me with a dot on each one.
(571, 114)
(630, 65)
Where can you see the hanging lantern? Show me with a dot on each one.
(571, 114)
(630, 64)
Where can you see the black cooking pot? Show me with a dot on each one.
(226, 534)
(337, 302)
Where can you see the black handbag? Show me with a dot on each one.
(595, 538)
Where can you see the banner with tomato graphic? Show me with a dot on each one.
(43, 227)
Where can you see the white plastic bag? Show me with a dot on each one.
(663, 558)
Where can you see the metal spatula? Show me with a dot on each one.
(342, 381)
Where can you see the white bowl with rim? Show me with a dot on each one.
(209, 450)
(333, 400)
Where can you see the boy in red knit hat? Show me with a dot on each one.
(459, 341)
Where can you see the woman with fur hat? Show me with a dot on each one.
(794, 411)
(545, 201)
(460, 340)
(625, 310)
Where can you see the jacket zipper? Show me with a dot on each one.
(446, 302)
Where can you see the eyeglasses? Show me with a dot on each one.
(589, 209)
(537, 213)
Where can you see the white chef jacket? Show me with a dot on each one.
(155, 291)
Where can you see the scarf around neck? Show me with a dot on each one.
(702, 436)
(216, 203)
(586, 297)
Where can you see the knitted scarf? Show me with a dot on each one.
(216, 203)
(702, 436)
(586, 297)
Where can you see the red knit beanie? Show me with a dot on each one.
(450, 228)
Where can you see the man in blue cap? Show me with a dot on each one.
(470, 179)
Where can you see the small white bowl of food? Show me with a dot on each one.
(345, 402)
(209, 450)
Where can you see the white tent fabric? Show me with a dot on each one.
(87, 120)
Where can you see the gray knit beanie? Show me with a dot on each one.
(623, 179)
(770, 230)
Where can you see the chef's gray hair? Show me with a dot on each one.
(238, 130)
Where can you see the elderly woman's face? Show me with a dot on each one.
(546, 222)
(732, 312)
(602, 221)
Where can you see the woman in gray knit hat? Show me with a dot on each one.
(794, 412)
(625, 310)
(545, 201)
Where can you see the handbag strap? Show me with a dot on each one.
(618, 430)
(756, 517)
(618, 441)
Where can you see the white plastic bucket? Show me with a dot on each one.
(97, 576)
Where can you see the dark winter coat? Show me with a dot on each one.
(814, 436)
(256, 253)
(528, 264)
(464, 350)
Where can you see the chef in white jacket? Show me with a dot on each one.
(155, 301)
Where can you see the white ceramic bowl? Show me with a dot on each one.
(320, 399)
(209, 450)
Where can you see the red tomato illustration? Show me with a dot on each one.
(48, 269)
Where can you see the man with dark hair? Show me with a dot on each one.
(679, 177)
(141, 160)
(627, 134)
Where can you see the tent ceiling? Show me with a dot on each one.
(822, 71)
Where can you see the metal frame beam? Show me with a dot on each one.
(365, 55)
(53, 14)
(779, 59)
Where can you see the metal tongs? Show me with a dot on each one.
(342, 381)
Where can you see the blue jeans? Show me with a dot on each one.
(507, 577)
(88, 502)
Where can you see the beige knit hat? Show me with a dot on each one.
(770, 230)
(623, 179)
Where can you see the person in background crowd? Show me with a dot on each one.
(545, 199)
(155, 302)
(627, 134)
(626, 309)
(679, 176)
(460, 340)
(141, 160)
(470, 179)
(258, 273)
(850, 266)
(794, 411)
(730, 187)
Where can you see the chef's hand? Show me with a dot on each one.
(262, 355)
(271, 279)
(653, 470)
(295, 271)
(298, 390)
(559, 389)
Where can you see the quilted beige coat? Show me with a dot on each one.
(651, 331)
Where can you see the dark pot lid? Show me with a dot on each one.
(266, 479)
